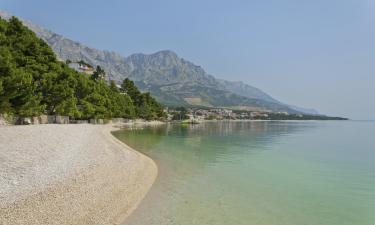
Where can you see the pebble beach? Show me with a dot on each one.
(69, 174)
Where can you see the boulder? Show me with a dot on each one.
(26, 121)
(51, 119)
(97, 121)
(3, 122)
(62, 119)
(35, 120)
(117, 120)
(79, 121)
(43, 119)
(107, 121)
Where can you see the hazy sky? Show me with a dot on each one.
(316, 53)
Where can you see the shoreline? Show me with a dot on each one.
(69, 174)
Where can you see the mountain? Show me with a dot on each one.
(170, 78)
(242, 89)
(175, 81)
(305, 110)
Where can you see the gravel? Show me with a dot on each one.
(69, 174)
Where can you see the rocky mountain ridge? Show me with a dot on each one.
(171, 79)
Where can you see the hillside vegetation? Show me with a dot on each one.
(172, 80)
(34, 82)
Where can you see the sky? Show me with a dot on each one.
(318, 54)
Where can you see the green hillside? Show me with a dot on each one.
(34, 82)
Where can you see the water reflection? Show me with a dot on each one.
(206, 142)
(189, 156)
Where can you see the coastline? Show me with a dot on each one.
(70, 174)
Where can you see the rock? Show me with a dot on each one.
(43, 119)
(79, 121)
(26, 121)
(35, 120)
(107, 121)
(51, 119)
(118, 120)
(3, 122)
(62, 119)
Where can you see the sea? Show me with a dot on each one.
(258, 173)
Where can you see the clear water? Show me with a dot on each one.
(261, 173)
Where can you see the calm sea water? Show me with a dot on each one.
(261, 173)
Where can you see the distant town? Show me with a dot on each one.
(200, 114)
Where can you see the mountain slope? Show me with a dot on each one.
(240, 88)
(174, 80)
(171, 79)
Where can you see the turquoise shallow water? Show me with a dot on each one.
(261, 173)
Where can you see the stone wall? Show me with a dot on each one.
(96, 121)
(3, 121)
(62, 119)
(79, 121)
(43, 119)
(51, 119)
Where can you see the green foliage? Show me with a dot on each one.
(81, 62)
(281, 116)
(113, 86)
(34, 82)
(180, 113)
(98, 74)
(145, 106)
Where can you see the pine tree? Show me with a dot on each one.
(34, 82)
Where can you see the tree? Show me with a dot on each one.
(33, 81)
(98, 74)
(113, 86)
(129, 88)
(180, 114)
(145, 105)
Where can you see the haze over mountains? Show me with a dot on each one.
(170, 78)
